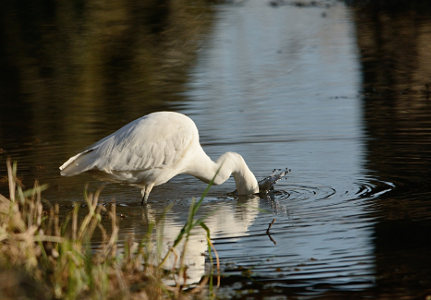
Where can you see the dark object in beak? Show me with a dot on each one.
(266, 185)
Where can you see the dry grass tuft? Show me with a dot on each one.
(41, 257)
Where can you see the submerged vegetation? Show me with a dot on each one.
(44, 257)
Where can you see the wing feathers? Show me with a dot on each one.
(77, 164)
(157, 140)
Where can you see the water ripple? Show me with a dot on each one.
(327, 197)
(322, 236)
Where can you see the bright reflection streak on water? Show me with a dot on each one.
(281, 85)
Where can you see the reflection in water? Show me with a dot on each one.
(230, 218)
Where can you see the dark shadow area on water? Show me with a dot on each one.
(82, 69)
(393, 40)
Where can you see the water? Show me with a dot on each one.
(337, 93)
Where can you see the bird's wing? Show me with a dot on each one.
(144, 145)
(158, 141)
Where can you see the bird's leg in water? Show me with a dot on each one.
(145, 192)
(144, 197)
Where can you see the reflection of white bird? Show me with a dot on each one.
(154, 148)
(227, 220)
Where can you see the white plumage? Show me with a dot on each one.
(154, 148)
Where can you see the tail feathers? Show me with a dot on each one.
(77, 164)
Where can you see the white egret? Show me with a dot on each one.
(154, 148)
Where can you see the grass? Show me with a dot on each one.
(44, 257)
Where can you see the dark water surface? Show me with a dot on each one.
(338, 93)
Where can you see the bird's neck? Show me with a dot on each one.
(230, 163)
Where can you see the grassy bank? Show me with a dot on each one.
(43, 257)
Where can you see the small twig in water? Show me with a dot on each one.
(269, 234)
